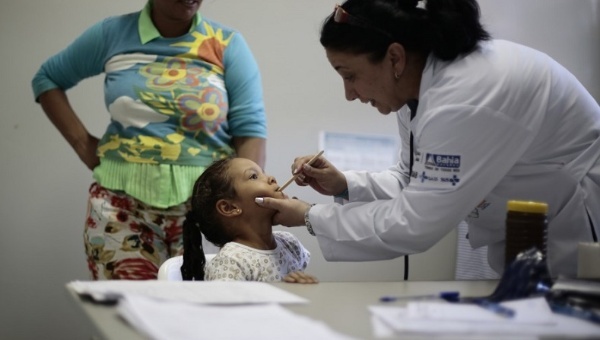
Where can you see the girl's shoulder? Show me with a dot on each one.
(287, 240)
(285, 236)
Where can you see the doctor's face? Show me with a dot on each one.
(366, 81)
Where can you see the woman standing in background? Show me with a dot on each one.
(182, 91)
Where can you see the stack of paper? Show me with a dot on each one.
(533, 318)
(213, 292)
(165, 320)
(183, 310)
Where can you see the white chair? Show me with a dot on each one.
(170, 270)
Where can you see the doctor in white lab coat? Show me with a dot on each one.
(493, 121)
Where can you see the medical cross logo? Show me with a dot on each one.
(424, 177)
(452, 180)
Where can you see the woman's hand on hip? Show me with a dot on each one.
(57, 107)
(86, 150)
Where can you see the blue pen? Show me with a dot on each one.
(494, 307)
(448, 296)
(452, 296)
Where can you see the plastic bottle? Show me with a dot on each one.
(526, 227)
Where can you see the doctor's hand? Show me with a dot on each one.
(322, 176)
(290, 212)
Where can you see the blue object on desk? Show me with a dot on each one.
(452, 296)
(448, 296)
(494, 307)
(527, 276)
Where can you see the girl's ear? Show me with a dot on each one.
(227, 208)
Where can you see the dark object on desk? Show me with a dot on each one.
(527, 276)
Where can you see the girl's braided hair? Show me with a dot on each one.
(213, 185)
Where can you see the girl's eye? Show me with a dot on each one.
(254, 176)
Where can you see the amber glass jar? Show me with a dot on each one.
(526, 227)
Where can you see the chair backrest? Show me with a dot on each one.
(170, 270)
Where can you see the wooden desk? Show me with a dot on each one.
(341, 305)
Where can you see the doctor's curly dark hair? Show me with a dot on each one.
(445, 28)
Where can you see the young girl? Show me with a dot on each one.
(224, 211)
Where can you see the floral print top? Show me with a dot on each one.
(172, 101)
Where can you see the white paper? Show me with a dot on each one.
(208, 292)
(162, 320)
(533, 318)
(352, 151)
(527, 311)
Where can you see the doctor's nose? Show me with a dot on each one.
(350, 93)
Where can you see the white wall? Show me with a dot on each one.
(44, 185)
(568, 31)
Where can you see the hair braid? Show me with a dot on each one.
(194, 260)
(213, 185)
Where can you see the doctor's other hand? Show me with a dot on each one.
(322, 176)
(290, 212)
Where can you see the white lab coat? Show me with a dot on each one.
(504, 122)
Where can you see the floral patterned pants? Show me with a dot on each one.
(126, 239)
